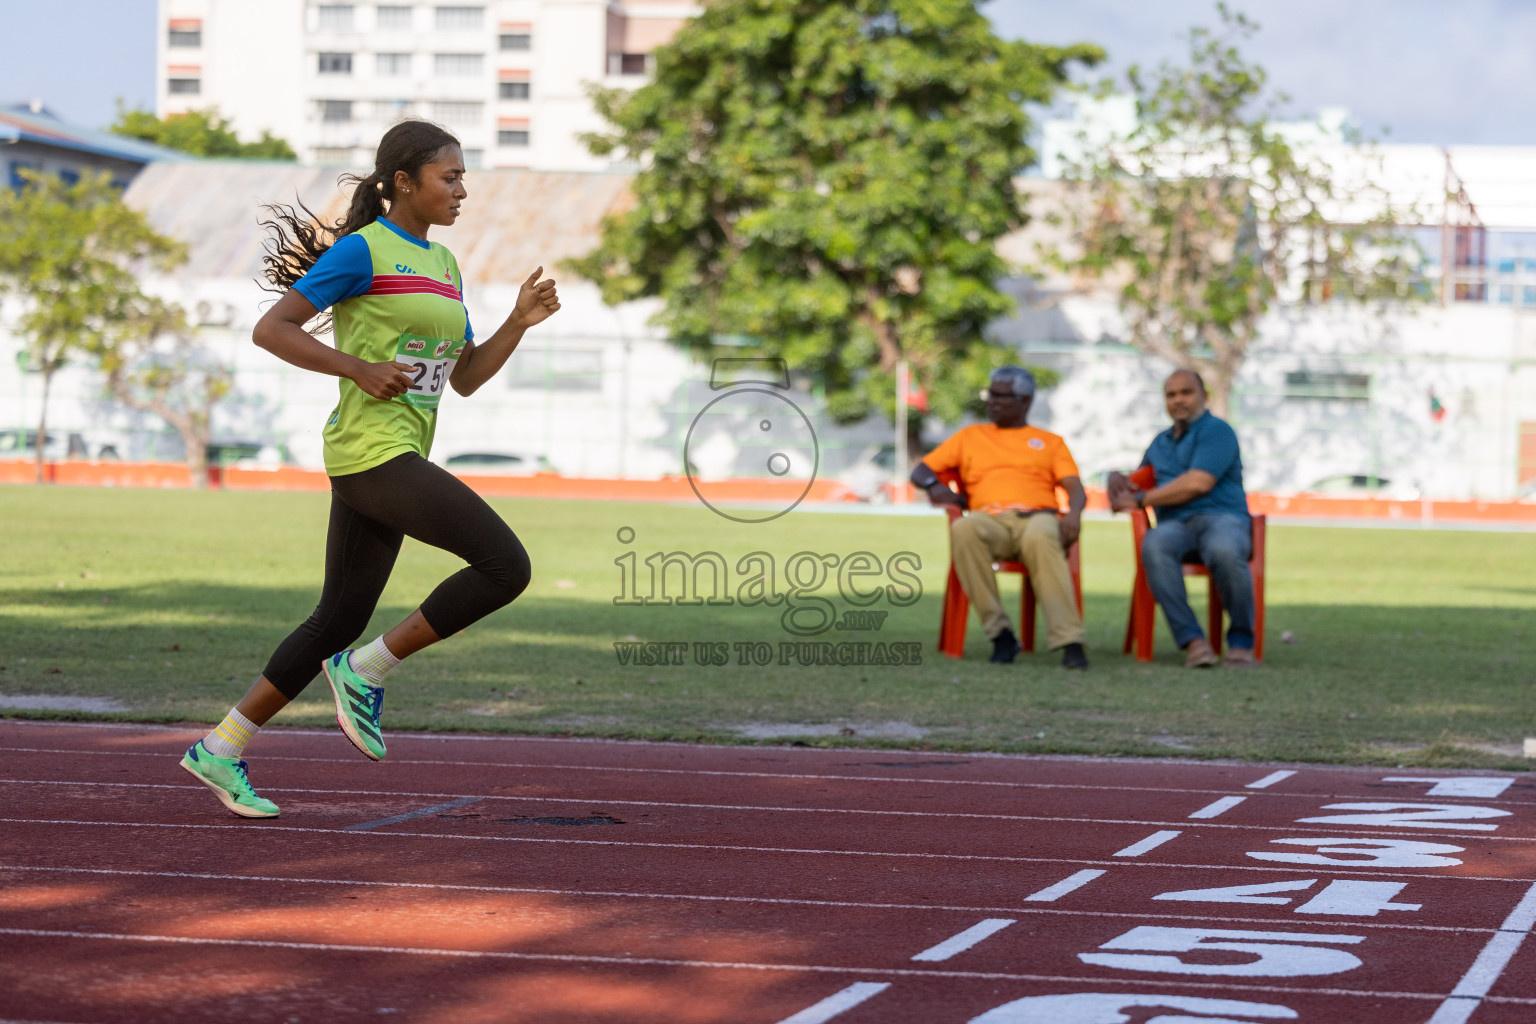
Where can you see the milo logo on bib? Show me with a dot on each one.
(431, 361)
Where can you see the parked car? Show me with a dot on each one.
(498, 463)
(248, 454)
(1363, 485)
(869, 476)
(61, 444)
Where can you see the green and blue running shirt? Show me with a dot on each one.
(392, 296)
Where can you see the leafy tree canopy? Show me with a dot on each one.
(72, 253)
(199, 132)
(1205, 214)
(829, 179)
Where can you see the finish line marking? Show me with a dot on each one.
(957, 944)
(1152, 842)
(1270, 780)
(1217, 807)
(1490, 963)
(835, 1004)
(1071, 883)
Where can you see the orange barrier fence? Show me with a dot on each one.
(677, 488)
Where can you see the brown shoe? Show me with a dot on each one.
(1239, 657)
(1198, 654)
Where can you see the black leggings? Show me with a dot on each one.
(370, 513)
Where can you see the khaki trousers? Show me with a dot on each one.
(977, 540)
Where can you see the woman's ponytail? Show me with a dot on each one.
(295, 241)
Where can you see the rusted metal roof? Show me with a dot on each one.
(512, 222)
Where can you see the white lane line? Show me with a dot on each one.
(959, 943)
(1490, 963)
(534, 766)
(638, 961)
(1291, 829)
(1071, 883)
(1152, 842)
(1218, 807)
(248, 826)
(425, 812)
(835, 1004)
(1270, 780)
(508, 890)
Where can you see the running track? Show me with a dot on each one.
(499, 879)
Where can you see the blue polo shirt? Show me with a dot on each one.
(1209, 444)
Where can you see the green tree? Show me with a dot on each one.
(199, 132)
(827, 181)
(1205, 216)
(71, 253)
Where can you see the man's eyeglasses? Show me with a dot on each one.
(987, 394)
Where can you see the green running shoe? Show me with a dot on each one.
(357, 705)
(227, 777)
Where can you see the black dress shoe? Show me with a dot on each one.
(1073, 656)
(1004, 647)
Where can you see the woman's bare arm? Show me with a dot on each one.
(281, 332)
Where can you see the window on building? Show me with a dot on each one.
(516, 41)
(629, 63)
(458, 18)
(394, 18)
(457, 112)
(514, 90)
(185, 86)
(1529, 296)
(335, 18)
(1350, 387)
(185, 37)
(336, 111)
(473, 158)
(512, 137)
(333, 155)
(391, 65)
(18, 180)
(458, 65)
(562, 369)
(335, 63)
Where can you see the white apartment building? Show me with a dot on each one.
(508, 77)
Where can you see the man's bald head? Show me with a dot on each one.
(1194, 378)
(1184, 398)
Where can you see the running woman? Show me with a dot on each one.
(402, 333)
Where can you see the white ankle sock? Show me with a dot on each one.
(373, 661)
(230, 736)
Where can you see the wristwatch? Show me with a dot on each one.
(1141, 500)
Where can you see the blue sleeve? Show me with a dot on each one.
(344, 271)
(469, 328)
(1216, 449)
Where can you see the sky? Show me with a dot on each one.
(1433, 71)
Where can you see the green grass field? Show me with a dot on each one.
(1408, 647)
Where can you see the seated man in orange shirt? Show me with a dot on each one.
(1010, 472)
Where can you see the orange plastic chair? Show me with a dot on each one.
(1142, 624)
(957, 605)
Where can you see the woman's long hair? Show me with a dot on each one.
(296, 240)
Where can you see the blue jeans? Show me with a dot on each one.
(1223, 543)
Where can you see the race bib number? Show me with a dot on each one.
(431, 361)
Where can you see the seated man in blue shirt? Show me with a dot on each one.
(1201, 511)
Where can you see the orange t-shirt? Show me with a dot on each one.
(1003, 469)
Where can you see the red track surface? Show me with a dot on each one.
(572, 881)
